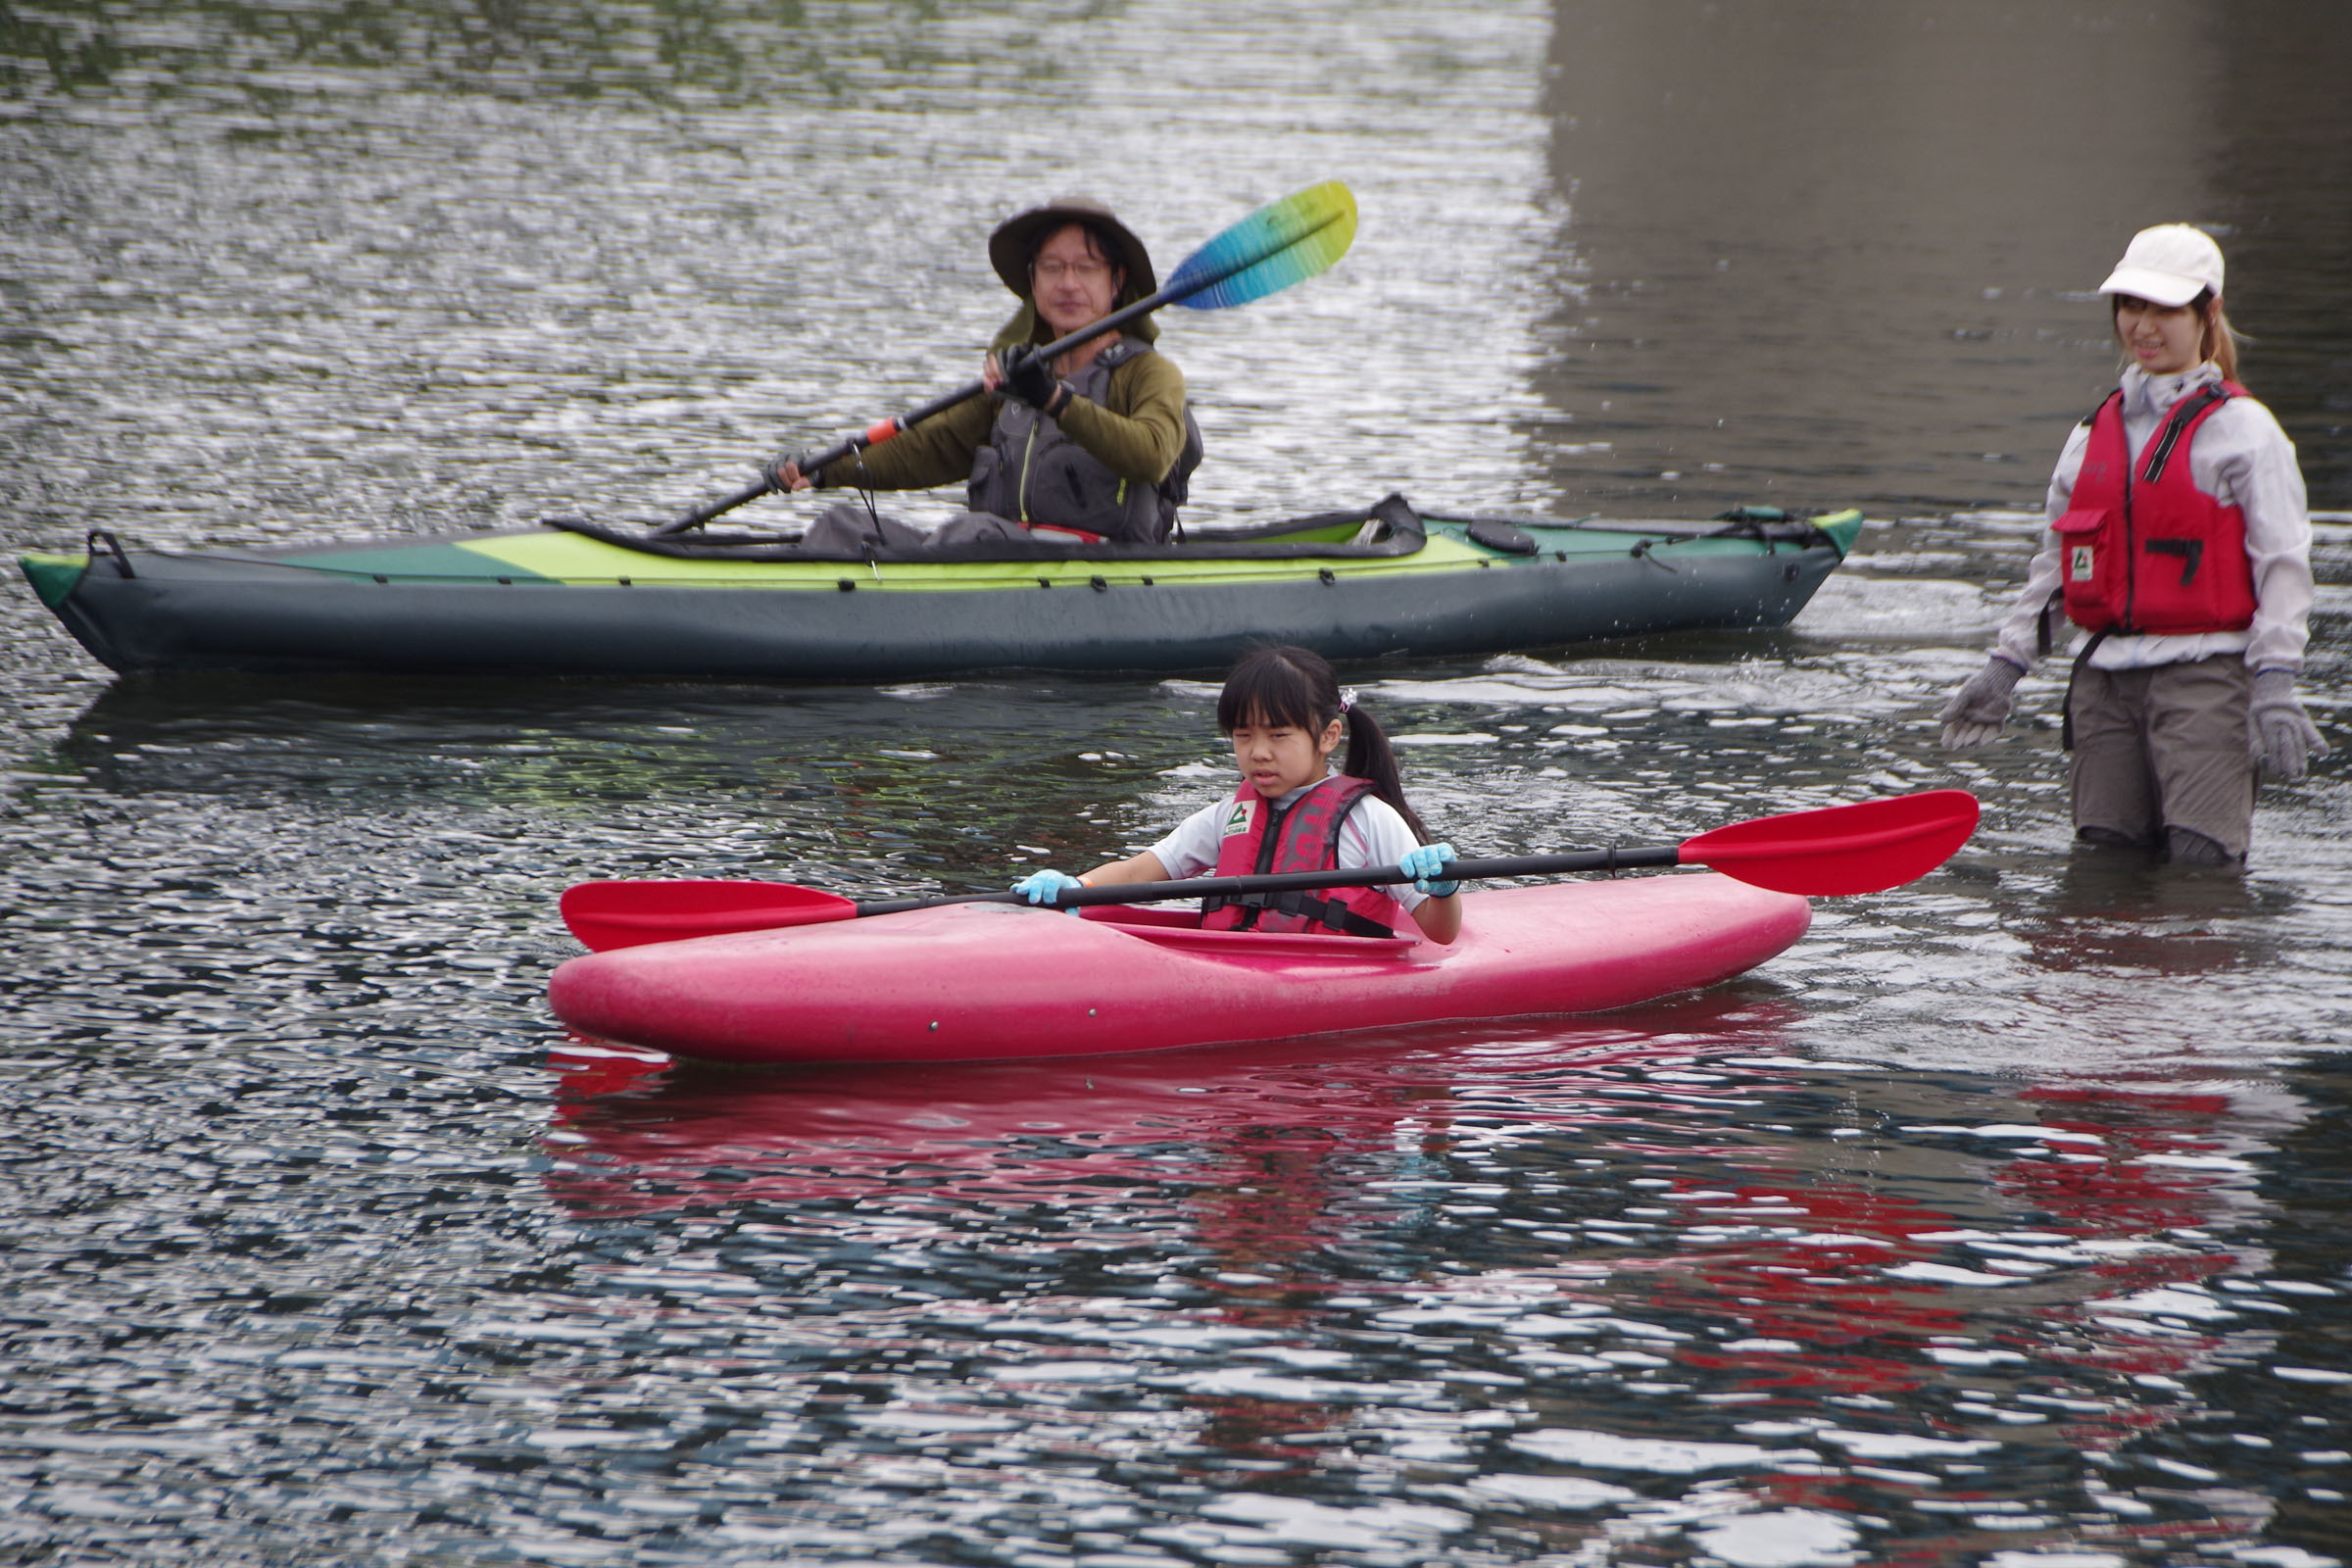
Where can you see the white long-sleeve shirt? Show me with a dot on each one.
(2240, 458)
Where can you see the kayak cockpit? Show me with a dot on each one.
(1390, 526)
(1181, 929)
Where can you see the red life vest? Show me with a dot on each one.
(2148, 551)
(1303, 836)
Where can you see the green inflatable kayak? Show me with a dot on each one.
(574, 599)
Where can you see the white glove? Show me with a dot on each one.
(1977, 712)
(2278, 730)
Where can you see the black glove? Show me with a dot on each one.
(1032, 380)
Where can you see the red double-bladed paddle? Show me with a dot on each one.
(1864, 848)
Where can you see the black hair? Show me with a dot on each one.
(1297, 687)
(1108, 246)
(1105, 244)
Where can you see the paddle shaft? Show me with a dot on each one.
(1636, 860)
(1865, 847)
(812, 464)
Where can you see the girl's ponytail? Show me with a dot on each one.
(1370, 758)
(1279, 684)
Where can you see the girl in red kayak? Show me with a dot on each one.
(1285, 711)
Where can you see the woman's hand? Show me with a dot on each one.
(785, 474)
(2280, 734)
(1977, 712)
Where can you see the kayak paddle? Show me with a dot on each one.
(1282, 243)
(1865, 847)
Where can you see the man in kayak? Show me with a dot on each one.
(1097, 443)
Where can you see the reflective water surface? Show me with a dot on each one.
(2000, 1221)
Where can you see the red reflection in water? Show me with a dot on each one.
(1812, 1278)
(1262, 1122)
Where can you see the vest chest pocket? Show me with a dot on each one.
(2091, 565)
(1070, 487)
(987, 490)
(2191, 584)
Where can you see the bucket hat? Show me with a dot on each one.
(1016, 239)
(2171, 264)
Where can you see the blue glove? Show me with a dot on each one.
(1423, 864)
(1045, 887)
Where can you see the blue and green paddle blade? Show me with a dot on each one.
(1282, 243)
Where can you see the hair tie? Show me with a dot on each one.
(1347, 698)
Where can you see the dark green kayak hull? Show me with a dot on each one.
(546, 603)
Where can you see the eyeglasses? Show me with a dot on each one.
(1054, 272)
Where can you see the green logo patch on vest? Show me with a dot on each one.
(1239, 819)
(2078, 563)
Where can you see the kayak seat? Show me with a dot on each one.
(1495, 534)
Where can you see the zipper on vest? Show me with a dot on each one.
(1028, 451)
(2130, 549)
(2158, 453)
(2161, 452)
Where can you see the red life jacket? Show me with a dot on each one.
(2148, 551)
(1303, 836)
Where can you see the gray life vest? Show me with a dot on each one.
(1031, 472)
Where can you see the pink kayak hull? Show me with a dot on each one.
(973, 982)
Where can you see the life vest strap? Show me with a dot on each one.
(2160, 450)
(2066, 720)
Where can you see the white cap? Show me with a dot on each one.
(2171, 264)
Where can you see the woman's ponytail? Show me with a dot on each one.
(2216, 337)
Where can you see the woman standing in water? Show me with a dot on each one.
(2179, 539)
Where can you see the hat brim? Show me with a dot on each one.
(1016, 239)
(2157, 288)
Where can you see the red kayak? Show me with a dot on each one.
(964, 982)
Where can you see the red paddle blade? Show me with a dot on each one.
(629, 914)
(1865, 847)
